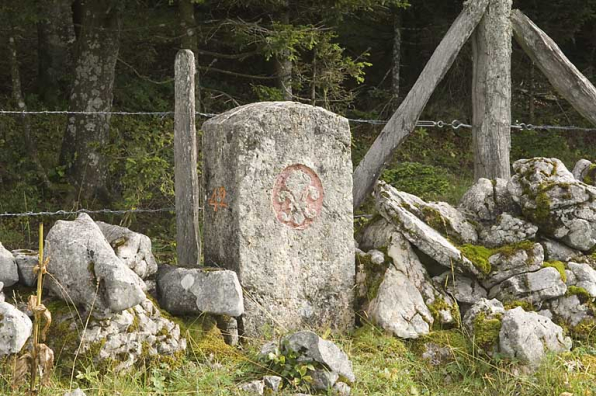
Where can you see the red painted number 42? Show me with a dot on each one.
(217, 199)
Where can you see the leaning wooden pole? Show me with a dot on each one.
(188, 242)
(491, 92)
(562, 74)
(404, 119)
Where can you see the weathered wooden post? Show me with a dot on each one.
(404, 120)
(562, 74)
(491, 92)
(188, 239)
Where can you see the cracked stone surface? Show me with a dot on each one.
(82, 261)
(486, 200)
(15, 329)
(505, 265)
(551, 198)
(131, 247)
(528, 336)
(507, 230)
(533, 287)
(581, 275)
(419, 233)
(185, 291)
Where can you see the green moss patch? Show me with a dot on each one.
(526, 305)
(590, 176)
(479, 255)
(439, 305)
(580, 292)
(486, 331)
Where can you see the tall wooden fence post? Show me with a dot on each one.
(491, 92)
(188, 239)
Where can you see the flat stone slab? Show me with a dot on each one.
(194, 291)
(278, 179)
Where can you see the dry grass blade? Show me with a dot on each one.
(21, 367)
(44, 363)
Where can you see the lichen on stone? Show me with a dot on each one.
(486, 330)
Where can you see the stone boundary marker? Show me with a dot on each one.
(278, 184)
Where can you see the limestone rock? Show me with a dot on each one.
(196, 290)
(551, 198)
(15, 329)
(464, 290)
(256, 387)
(26, 260)
(533, 287)
(582, 275)
(486, 200)
(582, 169)
(342, 389)
(127, 336)
(555, 251)
(399, 306)
(403, 298)
(323, 379)
(311, 346)
(82, 262)
(436, 354)
(528, 257)
(132, 248)
(490, 309)
(528, 336)
(278, 176)
(9, 274)
(272, 382)
(570, 310)
(507, 230)
(428, 240)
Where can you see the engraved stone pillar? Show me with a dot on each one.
(278, 179)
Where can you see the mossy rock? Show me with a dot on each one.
(559, 266)
(479, 255)
(486, 331)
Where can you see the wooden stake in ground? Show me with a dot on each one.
(188, 240)
(404, 120)
(562, 74)
(491, 92)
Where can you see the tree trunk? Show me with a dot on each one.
(97, 53)
(396, 61)
(491, 92)
(531, 94)
(404, 120)
(283, 64)
(562, 74)
(56, 37)
(188, 24)
(17, 94)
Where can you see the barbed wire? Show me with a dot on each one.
(455, 124)
(98, 211)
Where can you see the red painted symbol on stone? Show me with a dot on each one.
(218, 198)
(297, 196)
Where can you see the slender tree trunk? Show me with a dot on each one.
(491, 92)
(188, 24)
(283, 64)
(313, 84)
(396, 61)
(17, 94)
(56, 37)
(97, 53)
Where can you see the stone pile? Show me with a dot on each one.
(104, 272)
(513, 258)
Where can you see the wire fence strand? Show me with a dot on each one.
(88, 211)
(455, 124)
